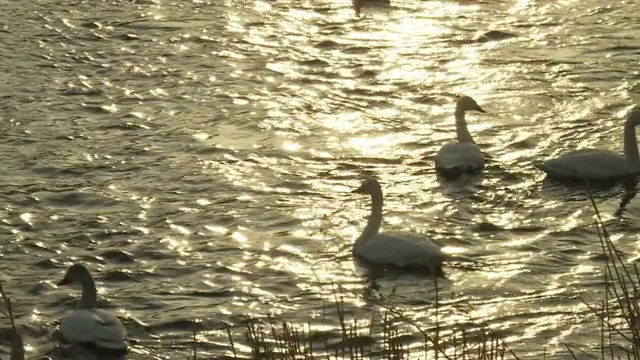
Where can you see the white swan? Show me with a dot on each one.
(408, 251)
(88, 325)
(595, 164)
(465, 155)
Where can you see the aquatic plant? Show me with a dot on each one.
(619, 311)
(388, 334)
(385, 334)
(17, 347)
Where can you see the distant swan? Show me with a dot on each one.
(88, 325)
(464, 156)
(595, 164)
(408, 251)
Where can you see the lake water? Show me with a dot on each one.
(198, 157)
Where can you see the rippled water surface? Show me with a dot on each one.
(198, 156)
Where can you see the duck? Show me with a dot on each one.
(88, 325)
(404, 251)
(598, 164)
(17, 344)
(463, 156)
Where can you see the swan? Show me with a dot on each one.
(403, 251)
(88, 325)
(465, 155)
(596, 164)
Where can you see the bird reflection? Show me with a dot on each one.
(630, 190)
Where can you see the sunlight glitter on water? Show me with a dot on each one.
(240, 127)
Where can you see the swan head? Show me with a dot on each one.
(466, 103)
(369, 186)
(76, 273)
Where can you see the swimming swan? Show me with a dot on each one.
(595, 164)
(465, 155)
(408, 251)
(88, 325)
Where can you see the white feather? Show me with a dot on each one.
(588, 164)
(460, 156)
(399, 250)
(94, 326)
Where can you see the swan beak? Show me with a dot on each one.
(359, 190)
(478, 108)
(64, 281)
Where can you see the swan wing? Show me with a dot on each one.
(588, 164)
(398, 250)
(459, 157)
(95, 327)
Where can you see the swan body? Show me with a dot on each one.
(88, 325)
(94, 327)
(596, 164)
(399, 250)
(464, 156)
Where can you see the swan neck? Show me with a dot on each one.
(631, 145)
(89, 296)
(375, 218)
(461, 128)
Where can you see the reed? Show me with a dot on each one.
(619, 312)
(392, 335)
(384, 334)
(385, 338)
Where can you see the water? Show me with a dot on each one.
(198, 157)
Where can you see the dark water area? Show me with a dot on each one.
(198, 157)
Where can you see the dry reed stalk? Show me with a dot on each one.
(622, 291)
(17, 346)
(274, 340)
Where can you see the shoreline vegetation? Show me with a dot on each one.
(394, 336)
(389, 334)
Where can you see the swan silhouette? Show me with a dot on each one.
(88, 325)
(596, 164)
(463, 156)
(401, 251)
